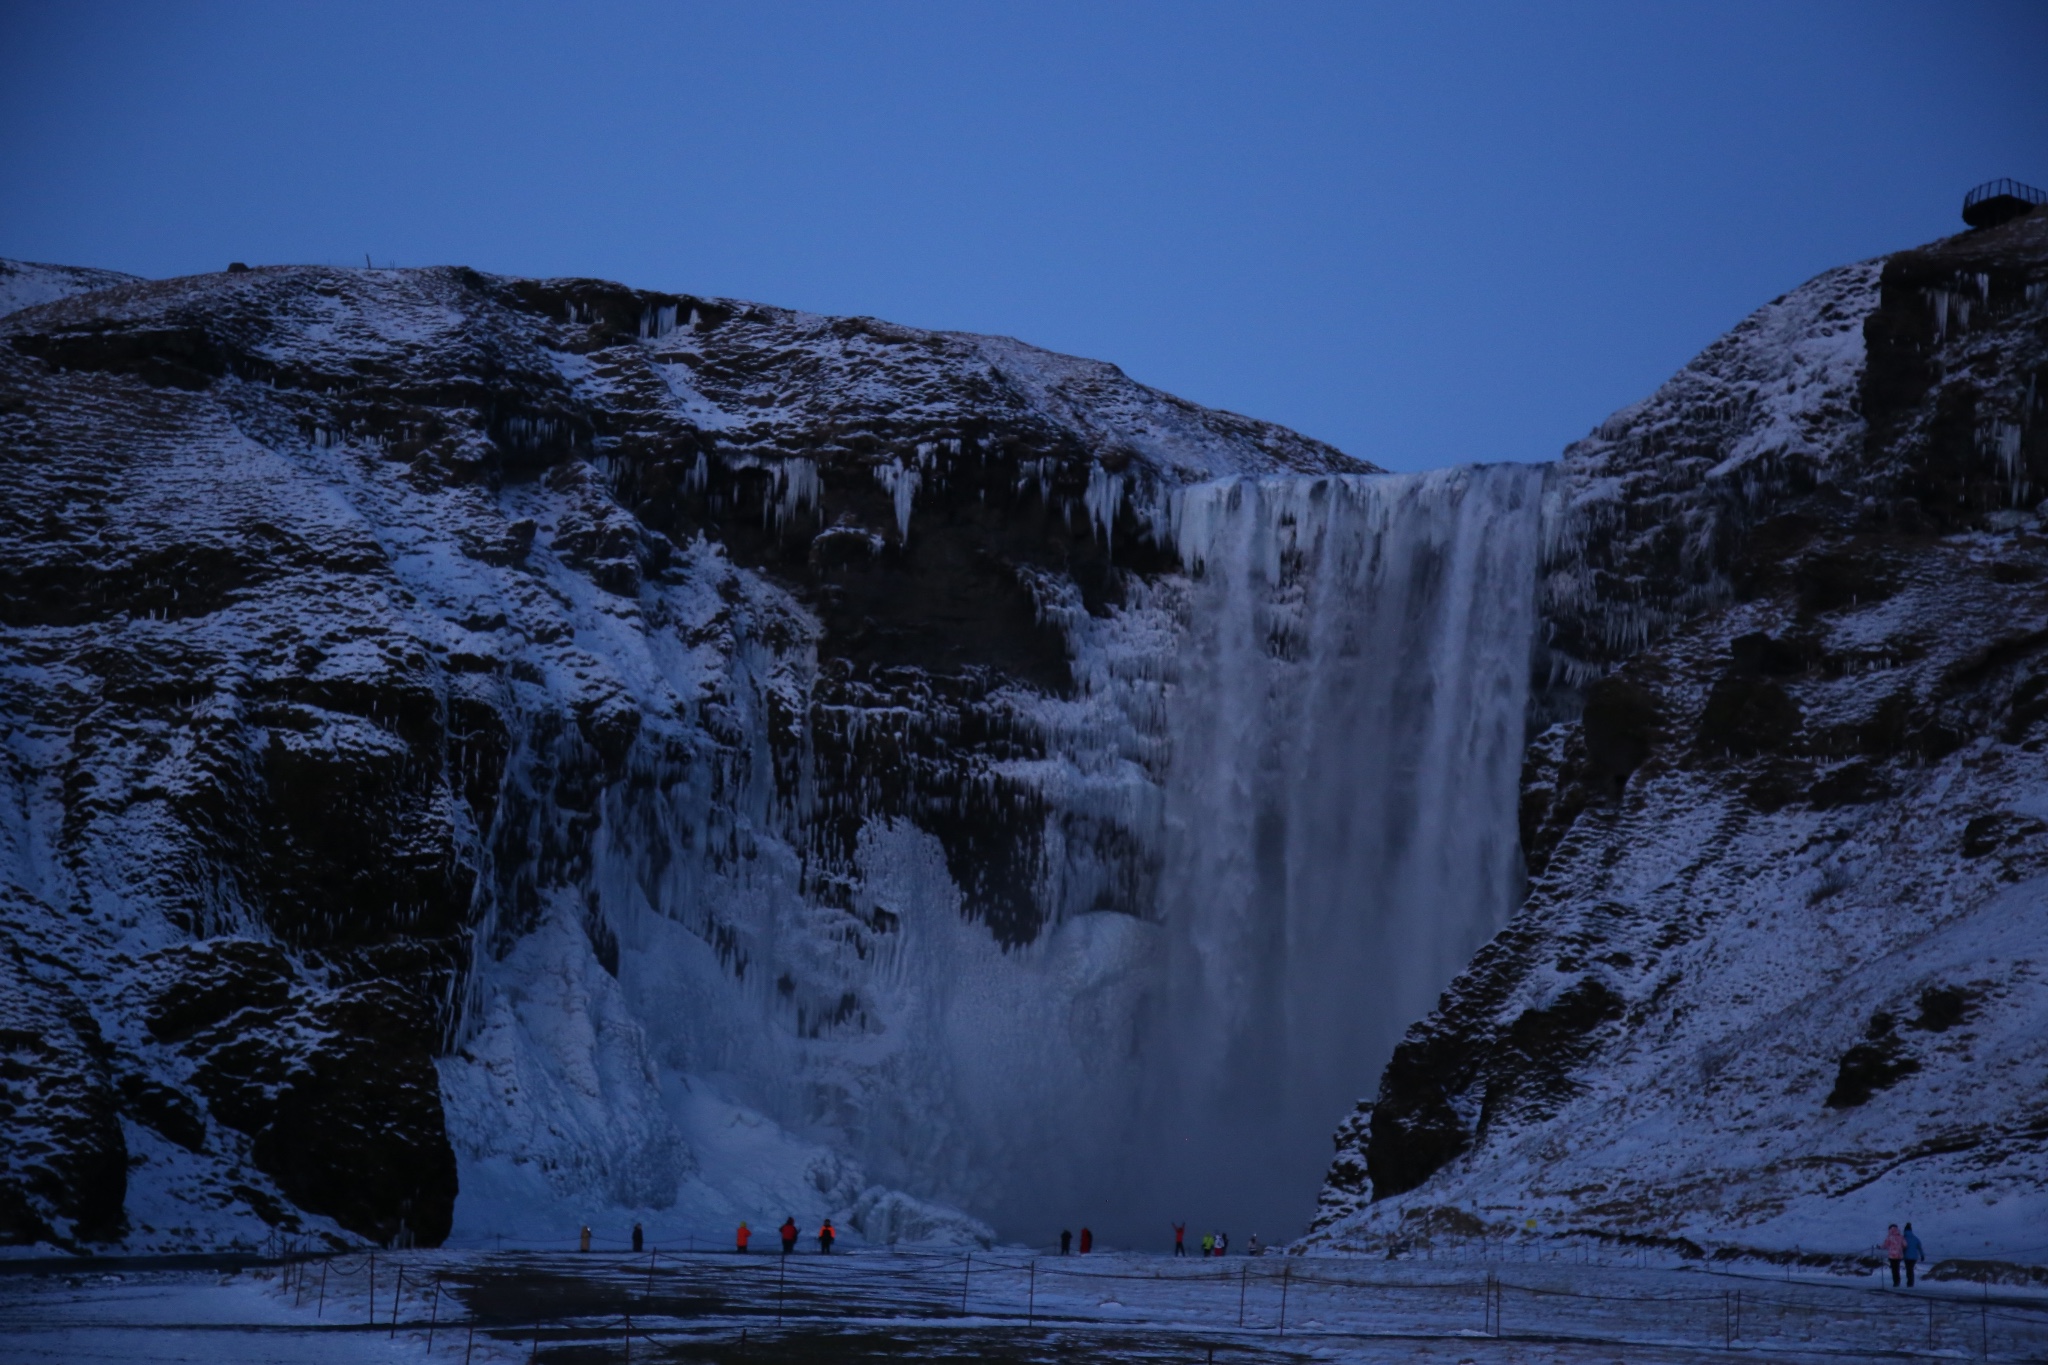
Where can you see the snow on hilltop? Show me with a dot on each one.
(25, 283)
(1779, 979)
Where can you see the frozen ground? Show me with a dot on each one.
(1006, 1305)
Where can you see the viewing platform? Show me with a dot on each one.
(2000, 201)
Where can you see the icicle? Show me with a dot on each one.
(902, 485)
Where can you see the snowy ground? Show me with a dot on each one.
(1005, 1305)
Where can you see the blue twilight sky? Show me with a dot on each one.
(1427, 233)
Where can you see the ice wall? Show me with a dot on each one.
(1306, 749)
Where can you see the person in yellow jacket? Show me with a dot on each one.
(744, 1235)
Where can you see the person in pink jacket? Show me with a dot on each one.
(1894, 1249)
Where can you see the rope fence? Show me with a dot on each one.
(544, 1299)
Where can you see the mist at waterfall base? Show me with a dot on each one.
(1282, 816)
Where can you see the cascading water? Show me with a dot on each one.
(1311, 741)
(1340, 832)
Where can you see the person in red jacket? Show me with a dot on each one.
(789, 1234)
(743, 1236)
(1087, 1241)
(1180, 1239)
(825, 1236)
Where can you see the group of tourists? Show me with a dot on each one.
(1067, 1241)
(1212, 1244)
(1902, 1248)
(827, 1234)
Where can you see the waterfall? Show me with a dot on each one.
(1308, 743)
(1346, 731)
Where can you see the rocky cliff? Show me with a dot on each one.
(1778, 977)
(379, 648)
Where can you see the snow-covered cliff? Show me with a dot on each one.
(487, 754)
(1779, 978)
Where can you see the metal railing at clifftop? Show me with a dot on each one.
(2000, 201)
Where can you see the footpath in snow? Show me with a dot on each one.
(1004, 1305)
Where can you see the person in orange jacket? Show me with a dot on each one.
(825, 1236)
(743, 1236)
(789, 1234)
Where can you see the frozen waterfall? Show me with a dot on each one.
(1309, 742)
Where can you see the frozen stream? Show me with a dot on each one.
(1003, 1305)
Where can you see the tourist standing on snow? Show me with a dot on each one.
(1208, 1244)
(1180, 1239)
(743, 1236)
(1252, 1248)
(1894, 1248)
(583, 1242)
(1087, 1241)
(637, 1237)
(1913, 1253)
(825, 1236)
(1066, 1240)
(1222, 1244)
(789, 1234)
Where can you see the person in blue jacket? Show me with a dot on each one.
(1913, 1253)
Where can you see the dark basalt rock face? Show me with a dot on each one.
(64, 1162)
(1795, 645)
(293, 566)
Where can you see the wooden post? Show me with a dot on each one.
(963, 1283)
(534, 1354)
(471, 1345)
(373, 1289)
(1727, 1322)
(1031, 1301)
(322, 1308)
(629, 1339)
(396, 1294)
(780, 1280)
(433, 1316)
(1244, 1283)
(1284, 1271)
(649, 1294)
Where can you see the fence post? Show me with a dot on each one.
(322, 1306)
(373, 1289)
(629, 1339)
(1031, 1302)
(433, 1316)
(471, 1345)
(649, 1293)
(1284, 1271)
(396, 1295)
(963, 1283)
(1244, 1283)
(781, 1279)
(1727, 1322)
